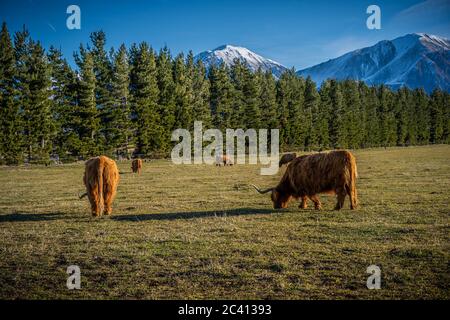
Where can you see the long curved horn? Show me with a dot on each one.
(262, 191)
(82, 195)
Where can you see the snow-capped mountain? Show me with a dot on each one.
(414, 60)
(227, 54)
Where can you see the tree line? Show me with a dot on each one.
(127, 102)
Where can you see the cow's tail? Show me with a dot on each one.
(352, 183)
(100, 184)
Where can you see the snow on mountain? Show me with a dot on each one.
(414, 60)
(227, 54)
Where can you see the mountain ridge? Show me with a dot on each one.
(227, 53)
(413, 60)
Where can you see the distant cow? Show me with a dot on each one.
(224, 160)
(136, 166)
(306, 176)
(286, 158)
(101, 178)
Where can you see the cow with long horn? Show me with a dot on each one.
(306, 176)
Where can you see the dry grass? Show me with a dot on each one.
(197, 232)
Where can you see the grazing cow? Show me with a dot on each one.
(101, 178)
(136, 166)
(286, 158)
(306, 176)
(224, 160)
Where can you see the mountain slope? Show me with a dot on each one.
(227, 53)
(414, 60)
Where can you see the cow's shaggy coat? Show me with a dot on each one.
(306, 176)
(286, 158)
(101, 178)
(136, 166)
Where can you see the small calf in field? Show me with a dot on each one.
(224, 160)
(136, 166)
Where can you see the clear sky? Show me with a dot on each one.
(292, 32)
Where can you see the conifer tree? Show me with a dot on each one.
(421, 116)
(388, 127)
(145, 95)
(121, 129)
(200, 89)
(237, 108)
(103, 71)
(437, 121)
(88, 116)
(221, 96)
(183, 94)
(267, 100)
(337, 126)
(37, 118)
(312, 117)
(251, 92)
(372, 132)
(353, 128)
(63, 91)
(10, 124)
(323, 119)
(166, 102)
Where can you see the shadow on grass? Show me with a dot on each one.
(21, 217)
(18, 217)
(193, 214)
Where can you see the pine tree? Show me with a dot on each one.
(103, 70)
(145, 95)
(200, 89)
(10, 124)
(38, 120)
(421, 116)
(290, 100)
(437, 114)
(88, 116)
(312, 116)
(63, 102)
(337, 126)
(446, 112)
(353, 128)
(401, 115)
(372, 132)
(267, 100)
(237, 77)
(166, 102)
(323, 118)
(121, 129)
(183, 94)
(251, 92)
(221, 96)
(388, 127)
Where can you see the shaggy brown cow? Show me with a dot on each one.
(306, 176)
(224, 160)
(286, 158)
(136, 166)
(101, 178)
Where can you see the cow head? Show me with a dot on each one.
(279, 198)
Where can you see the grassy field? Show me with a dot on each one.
(196, 231)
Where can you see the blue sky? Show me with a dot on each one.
(292, 32)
